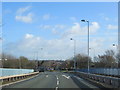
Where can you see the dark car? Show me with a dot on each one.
(41, 69)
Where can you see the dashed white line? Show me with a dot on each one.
(57, 82)
(46, 75)
(56, 88)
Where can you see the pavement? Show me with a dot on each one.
(54, 80)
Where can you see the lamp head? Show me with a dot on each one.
(114, 45)
(71, 38)
(83, 20)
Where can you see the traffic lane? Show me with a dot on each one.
(53, 80)
(43, 80)
(27, 83)
(65, 81)
(48, 82)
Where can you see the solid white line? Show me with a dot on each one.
(56, 88)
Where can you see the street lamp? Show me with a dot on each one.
(88, 43)
(37, 66)
(74, 52)
(37, 52)
(118, 51)
(3, 61)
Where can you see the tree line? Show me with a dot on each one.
(108, 60)
(10, 61)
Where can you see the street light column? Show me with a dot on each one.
(74, 54)
(19, 63)
(88, 48)
(117, 51)
(88, 44)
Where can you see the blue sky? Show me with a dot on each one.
(29, 26)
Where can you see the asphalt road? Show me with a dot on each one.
(54, 80)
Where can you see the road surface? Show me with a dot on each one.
(54, 80)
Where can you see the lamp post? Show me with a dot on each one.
(88, 42)
(36, 53)
(94, 53)
(2, 62)
(117, 47)
(37, 58)
(74, 52)
(118, 51)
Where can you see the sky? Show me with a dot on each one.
(28, 27)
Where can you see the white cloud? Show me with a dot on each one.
(22, 10)
(77, 30)
(30, 44)
(46, 17)
(112, 27)
(94, 27)
(59, 26)
(61, 48)
(55, 29)
(27, 19)
(27, 36)
(45, 26)
(22, 16)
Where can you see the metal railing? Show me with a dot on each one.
(103, 71)
(114, 82)
(17, 77)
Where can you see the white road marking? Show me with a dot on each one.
(86, 83)
(46, 75)
(56, 88)
(66, 76)
(57, 77)
(57, 82)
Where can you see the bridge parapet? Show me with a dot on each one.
(17, 77)
(113, 81)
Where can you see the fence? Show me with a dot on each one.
(104, 71)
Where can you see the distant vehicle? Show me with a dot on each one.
(41, 69)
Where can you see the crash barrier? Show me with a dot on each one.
(103, 71)
(113, 81)
(17, 77)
